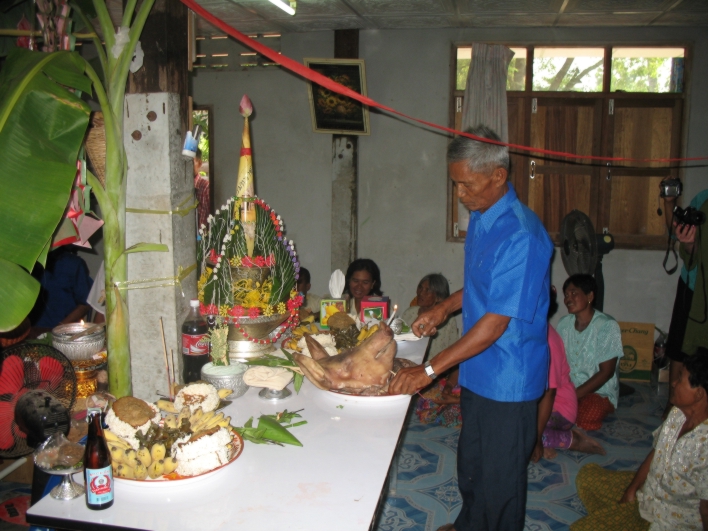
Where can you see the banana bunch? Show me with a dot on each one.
(129, 464)
(307, 326)
(201, 421)
(366, 332)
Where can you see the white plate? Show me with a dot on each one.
(175, 480)
(345, 398)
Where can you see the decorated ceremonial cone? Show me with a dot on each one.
(244, 181)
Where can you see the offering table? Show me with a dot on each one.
(332, 482)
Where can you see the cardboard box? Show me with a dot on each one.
(329, 307)
(374, 307)
(638, 347)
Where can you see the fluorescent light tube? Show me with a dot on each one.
(282, 5)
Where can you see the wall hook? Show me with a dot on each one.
(609, 171)
(532, 164)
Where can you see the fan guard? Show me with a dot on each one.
(27, 367)
(578, 244)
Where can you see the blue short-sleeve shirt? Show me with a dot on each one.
(507, 272)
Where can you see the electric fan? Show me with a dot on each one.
(37, 391)
(582, 250)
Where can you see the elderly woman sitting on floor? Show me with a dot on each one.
(670, 490)
(441, 403)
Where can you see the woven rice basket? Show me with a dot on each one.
(96, 146)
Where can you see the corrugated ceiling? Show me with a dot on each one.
(260, 16)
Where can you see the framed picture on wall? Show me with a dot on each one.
(332, 112)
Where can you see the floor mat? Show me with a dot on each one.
(423, 491)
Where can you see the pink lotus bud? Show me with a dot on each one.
(245, 107)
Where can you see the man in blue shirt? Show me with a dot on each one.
(503, 353)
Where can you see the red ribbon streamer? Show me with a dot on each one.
(318, 78)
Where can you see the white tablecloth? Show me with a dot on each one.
(332, 483)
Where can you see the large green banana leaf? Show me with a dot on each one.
(42, 126)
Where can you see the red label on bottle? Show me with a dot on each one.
(100, 485)
(195, 345)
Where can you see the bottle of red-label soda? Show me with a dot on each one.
(97, 465)
(195, 343)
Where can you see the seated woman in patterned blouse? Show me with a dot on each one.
(669, 492)
(593, 345)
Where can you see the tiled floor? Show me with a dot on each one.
(425, 495)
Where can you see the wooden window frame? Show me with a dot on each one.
(679, 124)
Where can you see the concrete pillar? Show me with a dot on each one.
(344, 201)
(159, 178)
(344, 173)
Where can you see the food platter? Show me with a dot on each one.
(344, 397)
(174, 479)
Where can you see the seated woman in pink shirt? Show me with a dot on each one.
(558, 406)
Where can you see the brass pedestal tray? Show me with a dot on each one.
(86, 374)
(258, 336)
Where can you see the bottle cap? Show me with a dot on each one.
(194, 303)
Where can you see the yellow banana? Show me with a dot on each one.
(116, 455)
(169, 465)
(224, 423)
(144, 456)
(130, 458)
(205, 420)
(112, 437)
(214, 421)
(196, 416)
(157, 452)
(362, 335)
(184, 414)
(171, 422)
(156, 468)
(308, 319)
(125, 471)
(166, 405)
(140, 471)
(223, 393)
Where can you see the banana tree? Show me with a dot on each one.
(42, 125)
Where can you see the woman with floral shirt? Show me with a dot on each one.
(670, 490)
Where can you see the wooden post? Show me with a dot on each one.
(165, 66)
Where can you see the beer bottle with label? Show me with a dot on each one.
(195, 343)
(97, 465)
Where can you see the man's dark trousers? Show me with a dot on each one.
(493, 453)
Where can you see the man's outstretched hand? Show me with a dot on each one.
(408, 381)
(426, 323)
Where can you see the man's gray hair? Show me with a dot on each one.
(481, 157)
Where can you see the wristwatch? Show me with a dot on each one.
(429, 370)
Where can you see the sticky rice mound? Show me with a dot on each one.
(126, 431)
(197, 395)
(203, 452)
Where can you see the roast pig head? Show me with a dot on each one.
(365, 369)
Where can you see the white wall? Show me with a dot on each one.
(402, 171)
